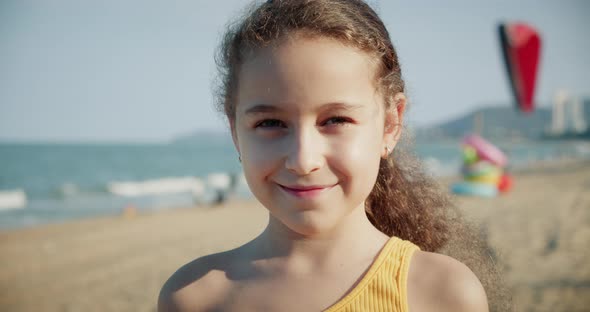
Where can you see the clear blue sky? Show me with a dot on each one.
(136, 70)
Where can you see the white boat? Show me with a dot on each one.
(158, 187)
(12, 199)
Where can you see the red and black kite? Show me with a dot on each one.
(521, 47)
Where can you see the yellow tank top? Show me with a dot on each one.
(384, 286)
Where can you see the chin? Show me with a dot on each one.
(309, 223)
(307, 230)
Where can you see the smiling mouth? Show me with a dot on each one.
(306, 192)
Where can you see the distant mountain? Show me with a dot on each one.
(502, 122)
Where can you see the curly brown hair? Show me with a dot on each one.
(405, 201)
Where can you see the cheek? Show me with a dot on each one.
(262, 150)
(259, 156)
(362, 144)
(358, 157)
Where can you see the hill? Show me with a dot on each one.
(499, 122)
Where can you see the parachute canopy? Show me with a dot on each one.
(521, 47)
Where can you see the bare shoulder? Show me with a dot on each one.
(197, 286)
(440, 283)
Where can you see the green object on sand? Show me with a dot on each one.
(469, 155)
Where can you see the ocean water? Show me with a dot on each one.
(58, 182)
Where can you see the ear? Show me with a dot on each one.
(394, 117)
(234, 135)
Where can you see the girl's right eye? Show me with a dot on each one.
(270, 123)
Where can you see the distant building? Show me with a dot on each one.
(568, 115)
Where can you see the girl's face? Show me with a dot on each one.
(310, 128)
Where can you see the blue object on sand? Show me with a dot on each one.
(475, 189)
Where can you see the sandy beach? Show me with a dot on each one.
(539, 233)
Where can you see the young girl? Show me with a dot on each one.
(314, 96)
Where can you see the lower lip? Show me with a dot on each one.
(306, 194)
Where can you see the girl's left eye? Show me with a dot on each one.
(338, 120)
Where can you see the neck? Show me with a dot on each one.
(354, 237)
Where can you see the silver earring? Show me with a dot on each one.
(387, 151)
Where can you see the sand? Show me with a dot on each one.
(539, 232)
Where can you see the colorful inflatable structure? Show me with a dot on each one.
(483, 169)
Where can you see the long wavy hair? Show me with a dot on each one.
(405, 201)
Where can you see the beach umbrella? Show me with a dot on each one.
(521, 48)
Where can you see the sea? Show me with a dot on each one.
(53, 183)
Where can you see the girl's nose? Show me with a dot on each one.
(305, 153)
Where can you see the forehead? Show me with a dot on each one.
(308, 72)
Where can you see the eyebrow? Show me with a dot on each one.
(265, 108)
(261, 108)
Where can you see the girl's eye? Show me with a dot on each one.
(338, 120)
(270, 123)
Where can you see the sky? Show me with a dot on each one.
(143, 70)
